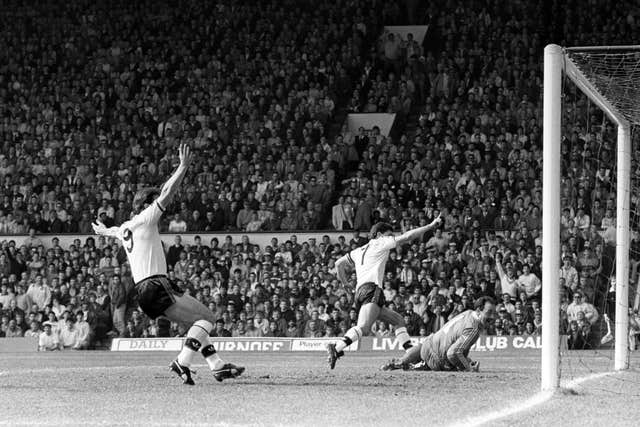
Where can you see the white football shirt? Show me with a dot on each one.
(141, 240)
(371, 259)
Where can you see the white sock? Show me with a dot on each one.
(403, 337)
(197, 335)
(352, 335)
(211, 356)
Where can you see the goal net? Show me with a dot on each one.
(591, 173)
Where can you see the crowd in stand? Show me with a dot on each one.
(95, 97)
(83, 293)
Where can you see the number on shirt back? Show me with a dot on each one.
(127, 236)
(365, 248)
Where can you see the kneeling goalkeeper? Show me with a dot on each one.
(448, 349)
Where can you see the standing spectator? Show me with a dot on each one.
(84, 331)
(118, 297)
(173, 254)
(5, 296)
(340, 218)
(39, 292)
(364, 212)
(569, 273)
(508, 281)
(32, 241)
(529, 283)
(261, 323)
(580, 306)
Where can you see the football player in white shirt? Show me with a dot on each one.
(369, 262)
(157, 296)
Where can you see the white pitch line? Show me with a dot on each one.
(535, 400)
(88, 368)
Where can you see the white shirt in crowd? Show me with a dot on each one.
(48, 341)
(590, 312)
(177, 226)
(69, 337)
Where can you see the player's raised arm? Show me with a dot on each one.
(170, 188)
(343, 265)
(418, 232)
(499, 268)
(100, 229)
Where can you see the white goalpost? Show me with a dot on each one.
(615, 104)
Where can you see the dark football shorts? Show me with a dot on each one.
(156, 294)
(369, 293)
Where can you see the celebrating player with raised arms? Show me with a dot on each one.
(369, 262)
(157, 296)
(448, 349)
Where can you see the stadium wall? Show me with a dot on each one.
(261, 239)
(18, 345)
(367, 344)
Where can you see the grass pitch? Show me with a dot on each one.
(292, 389)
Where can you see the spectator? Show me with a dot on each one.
(177, 224)
(173, 254)
(84, 332)
(528, 283)
(34, 330)
(48, 340)
(69, 335)
(39, 292)
(569, 273)
(341, 218)
(579, 307)
(118, 300)
(220, 330)
(12, 330)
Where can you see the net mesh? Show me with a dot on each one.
(616, 75)
(588, 199)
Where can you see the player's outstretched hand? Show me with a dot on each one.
(475, 366)
(437, 221)
(98, 227)
(185, 155)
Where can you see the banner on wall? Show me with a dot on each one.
(368, 120)
(316, 344)
(268, 345)
(147, 344)
(485, 343)
(271, 345)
